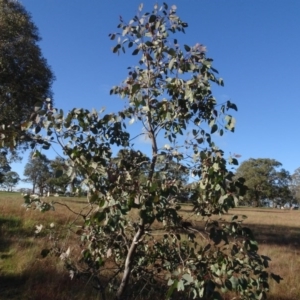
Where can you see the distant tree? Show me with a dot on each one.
(4, 165)
(170, 169)
(281, 191)
(166, 169)
(25, 77)
(6, 158)
(75, 174)
(295, 186)
(264, 180)
(59, 180)
(37, 172)
(11, 179)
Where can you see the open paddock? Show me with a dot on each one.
(24, 274)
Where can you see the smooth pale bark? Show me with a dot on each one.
(128, 262)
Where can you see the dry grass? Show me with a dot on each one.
(25, 275)
(278, 233)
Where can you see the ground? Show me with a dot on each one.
(24, 274)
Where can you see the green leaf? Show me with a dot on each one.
(180, 285)
(188, 278)
(149, 44)
(187, 48)
(46, 146)
(221, 132)
(99, 216)
(172, 52)
(233, 106)
(277, 278)
(234, 161)
(152, 18)
(135, 88)
(234, 282)
(172, 287)
(171, 63)
(116, 48)
(37, 129)
(234, 217)
(266, 260)
(45, 252)
(214, 70)
(135, 52)
(214, 128)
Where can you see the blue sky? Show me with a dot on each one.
(255, 46)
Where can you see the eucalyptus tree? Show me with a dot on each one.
(6, 158)
(295, 185)
(59, 180)
(136, 242)
(37, 172)
(4, 165)
(11, 179)
(25, 77)
(264, 180)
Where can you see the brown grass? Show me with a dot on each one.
(25, 275)
(278, 234)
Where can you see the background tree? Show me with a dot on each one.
(11, 179)
(166, 168)
(281, 192)
(264, 180)
(38, 172)
(75, 174)
(136, 241)
(295, 186)
(4, 165)
(6, 158)
(59, 180)
(25, 77)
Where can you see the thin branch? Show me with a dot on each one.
(74, 212)
(137, 136)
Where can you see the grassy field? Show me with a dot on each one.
(24, 274)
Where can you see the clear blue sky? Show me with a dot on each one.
(255, 46)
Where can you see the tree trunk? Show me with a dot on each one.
(257, 201)
(128, 263)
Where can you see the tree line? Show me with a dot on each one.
(268, 184)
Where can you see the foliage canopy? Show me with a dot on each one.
(37, 172)
(135, 232)
(295, 185)
(25, 75)
(265, 180)
(4, 165)
(10, 180)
